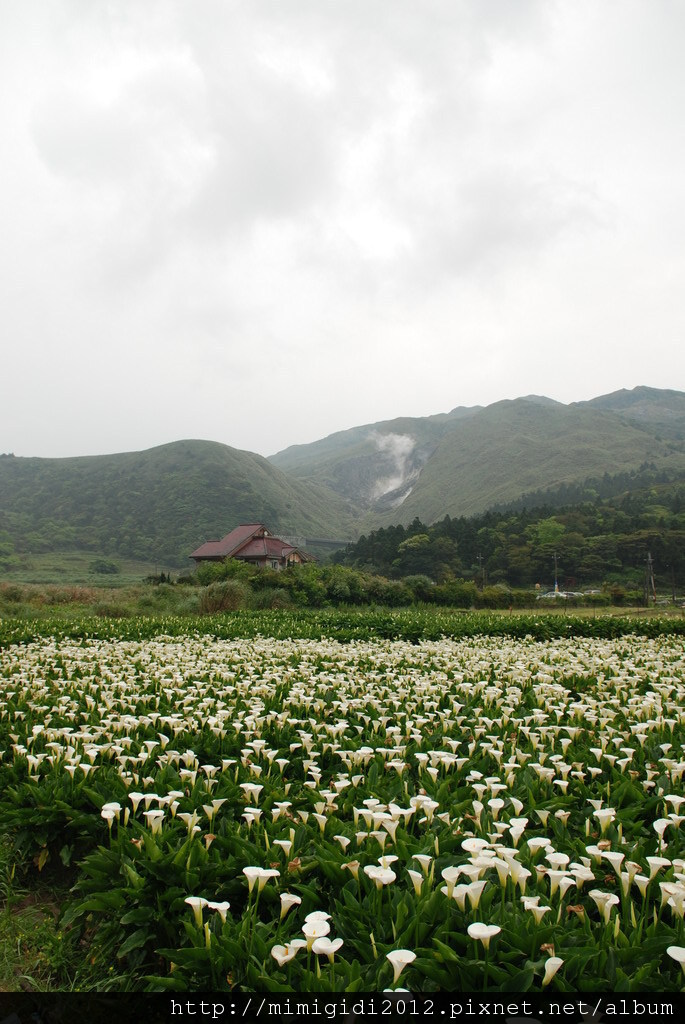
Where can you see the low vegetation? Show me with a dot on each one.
(304, 814)
(601, 543)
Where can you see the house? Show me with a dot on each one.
(252, 543)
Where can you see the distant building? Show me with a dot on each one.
(252, 543)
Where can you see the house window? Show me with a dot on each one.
(274, 563)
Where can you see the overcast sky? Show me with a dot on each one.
(261, 222)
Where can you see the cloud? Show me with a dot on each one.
(293, 218)
(398, 448)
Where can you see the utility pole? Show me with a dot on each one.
(556, 581)
(650, 588)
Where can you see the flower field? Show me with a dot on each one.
(484, 813)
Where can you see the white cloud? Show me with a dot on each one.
(262, 223)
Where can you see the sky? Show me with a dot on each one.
(262, 222)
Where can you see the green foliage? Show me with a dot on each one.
(427, 730)
(272, 597)
(456, 594)
(605, 542)
(425, 623)
(103, 567)
(224, 596)
(157, 505)
(310, 585)
(227, 569)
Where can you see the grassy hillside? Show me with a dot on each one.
(660, 412)
(156, 505)
(371, 467)
(471, 459)
(513, 447)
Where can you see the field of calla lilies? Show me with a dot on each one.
(483, 813)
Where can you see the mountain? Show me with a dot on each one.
(371, 467)
(155, 505)
(463, 462)
(659, 411)
(159, 505)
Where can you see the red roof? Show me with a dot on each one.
(265, 547)
(230, 543)
(250, 540)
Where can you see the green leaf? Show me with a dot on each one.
(521, 981)
(134, 941)
(137, 916)
(155, 983)
(134, 879)
(102, 903)
(447, 952)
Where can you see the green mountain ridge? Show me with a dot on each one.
(507, 449)
(159, 505)
(659, 411)
(472, 458)
(156, 505)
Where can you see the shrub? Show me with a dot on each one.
(597, 600)
(107, 610)
(224, 596)
(305, 584)
(69, 595)
(456, 594)
(104, 567)
(272, 597)
(493, 597)
(422, 587)
(392, 593)
(229, 569)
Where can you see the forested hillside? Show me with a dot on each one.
(599, 542)
(156, 505)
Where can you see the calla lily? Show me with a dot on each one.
(604, 902)
(109, 815)
(196, 903)
(284, 954)
(221, 908)
(424, 860)
(677, 953)
(353, 867)
(400, 958)
(288, 900)
(318, 915)
(259, 875)
(450, 876)
(327, 946)
(417, 879)
(315, 929)
(381, 876)
(251, 874)
(551, 967)
(483, 932)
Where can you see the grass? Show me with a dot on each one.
(73, 601)
(35, 954)
(74, 568)
(125, 595)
